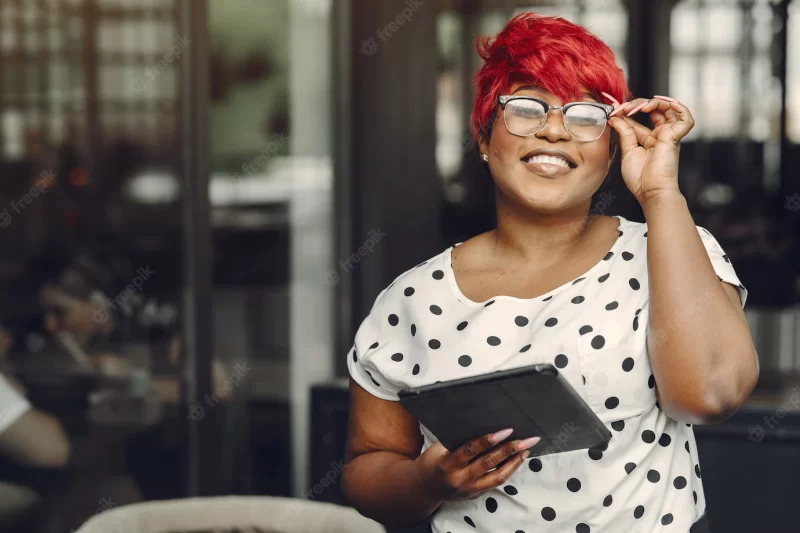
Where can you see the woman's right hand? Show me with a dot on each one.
(464, 474)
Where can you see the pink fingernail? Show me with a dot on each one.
(617, 110)
(667, 98)
(500, 435)
(610, 98)
(528, 443)
(636, 109)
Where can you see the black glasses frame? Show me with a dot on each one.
(505, 99)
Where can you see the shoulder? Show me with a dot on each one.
(422, 275)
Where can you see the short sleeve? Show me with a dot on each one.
(371, 349)
(12, 405)
(721, 263)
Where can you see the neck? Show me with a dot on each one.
(532, 235)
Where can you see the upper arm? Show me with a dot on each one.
(36, 439)
(380, 425)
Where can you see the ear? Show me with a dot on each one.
(483, 145)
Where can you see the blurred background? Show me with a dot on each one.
(201, 199)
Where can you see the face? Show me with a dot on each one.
(537, 184)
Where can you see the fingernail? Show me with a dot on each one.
(528, 443)
(500, 435)
(617, 110)
(636, 109)
(525, 454)
(667, 98)
(610, 98)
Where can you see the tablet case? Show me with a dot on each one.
(535, 400)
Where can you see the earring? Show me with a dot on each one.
(486, 158)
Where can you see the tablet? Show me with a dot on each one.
(535, 400)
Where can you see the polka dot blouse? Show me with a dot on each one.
(422, 329)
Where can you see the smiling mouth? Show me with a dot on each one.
(542, 159)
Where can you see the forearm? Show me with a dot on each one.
(388, 488)
(699, 345)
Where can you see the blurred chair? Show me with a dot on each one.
(244, 514)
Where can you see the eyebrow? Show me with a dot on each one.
(539, 88)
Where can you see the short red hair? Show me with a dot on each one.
(550, 52)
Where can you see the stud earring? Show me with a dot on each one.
(486, 158)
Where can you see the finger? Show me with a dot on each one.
(685, 121)
(496, 478)
(631, 133)
(613, 100)
(643, 133)
(469, 451)
(494, 458)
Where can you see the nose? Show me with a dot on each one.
(553, 129)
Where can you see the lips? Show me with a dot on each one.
(549, 163)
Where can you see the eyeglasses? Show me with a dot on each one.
(525, 116)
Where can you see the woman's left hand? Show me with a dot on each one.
(650, 157)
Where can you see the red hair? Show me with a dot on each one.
(553, 53)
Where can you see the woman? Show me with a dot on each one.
(645, 320)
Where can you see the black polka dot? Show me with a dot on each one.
(664, 440)
(373, 379)
(578, 300)
(578, 281)
(409, 291)
(574, 484)
(651, 381)
(436, 310)
(598, 342)
(608, 256)
(653, 476)
(686, 445)
(688, 425)
(679, 483)
(602, 278)
(639, 511)
(726, 258)
(627, 364)
(413, 329)
(612, 306)
(697, 470)
(393, 320)
(397, 357)
(415, 371)
(489, 303)
(469, 521)
(694, 495)
(521, 321)
(561, 360)
(355, 358)
(525, 348)
(535, 465)
(491, 505)
(612, 402)
(620, 233)
(636, 323)
(437, 274)
(548, 299)
(584, 379)
(634, 283)
(637, 312)
(551, 322)
(585, 329)
(666, 519)
(648, 436)
(493, 341)
(619, 425)
(462, 325)
(434, 344)
(582, 528)
(607, 501)
(645, 234)
(595, 454)
(375, 345)
(465, 360)
(629, 467)
(627, 256)
(510, 490)
(548, 513)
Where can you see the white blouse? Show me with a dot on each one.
(422, 329)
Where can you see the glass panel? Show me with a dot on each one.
(793, 75)
(721, 26)
(719, 97)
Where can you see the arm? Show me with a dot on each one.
(699, 342)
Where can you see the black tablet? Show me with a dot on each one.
(535, 400)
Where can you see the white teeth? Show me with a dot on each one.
(553, 160)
